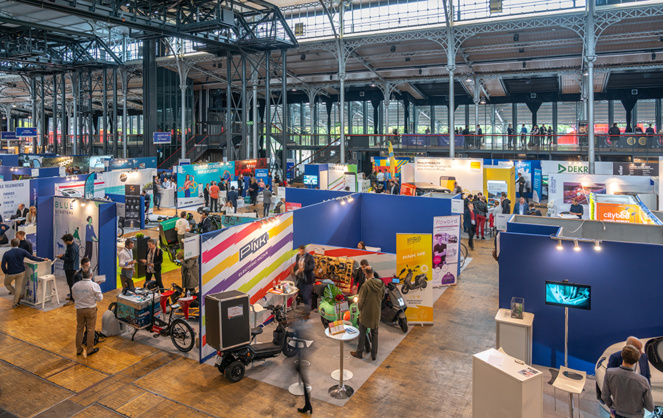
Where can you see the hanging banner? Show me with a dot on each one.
(73, 165)
(414, 267)
(192, 179)
(392, 162)
(537, 185)
(78, 188)
(80, 221)
(446, 254)
(132, 206)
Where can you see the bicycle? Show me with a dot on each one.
(180, 332)
(463, 255)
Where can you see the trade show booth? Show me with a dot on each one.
(498, 180)
(467, 172)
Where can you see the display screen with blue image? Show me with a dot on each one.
(310, 180)
(569, 295)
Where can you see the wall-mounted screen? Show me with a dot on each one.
(570, 295)
(310, 180)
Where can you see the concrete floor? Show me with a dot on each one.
(428, 374)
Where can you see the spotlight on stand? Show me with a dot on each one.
(576, 247)
(559, 245)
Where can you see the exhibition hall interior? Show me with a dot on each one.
(342, 207)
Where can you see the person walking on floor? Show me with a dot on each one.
(626, 392)
(14, 269)
(370, 307)
(153, 263)
(470, 224)
(206, 195)
(126, 261)
(214, 197)
(509, 136)
(156, 192)
(266, 201)
(253, 191)
(481, 208)
(87, 293)
(70, 261)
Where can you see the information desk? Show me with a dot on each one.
(514, 335)
(167, 197)
(503, 386)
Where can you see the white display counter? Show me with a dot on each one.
(32, 290)
(167, 197)
(514, 335)
(503, 386)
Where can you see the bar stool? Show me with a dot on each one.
(184, 304)
(164, 300)
(45, 281)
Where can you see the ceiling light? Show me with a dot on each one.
(393, 48)
(576, 247)
(83, 204)
(468, 79)
(516, 37)
(293, 89)
(482, 101)
(343, 202)
(372, 83)
(585, 73)
(597, 245)
(559, 245)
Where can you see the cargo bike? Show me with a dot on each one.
(141, 310)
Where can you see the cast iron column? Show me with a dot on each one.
(268, 107)
(105, 112)
(285, 114)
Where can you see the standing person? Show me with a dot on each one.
(457, 188)
(253, 191)
(359, 277)
(520, 208)
(87, 294)
(90, 237)
(303, 270)
(521, 185)
(613, 133)
(85, 266)
(380, 178)
(14, 269)
(576, 209)
(214, 196)
(126, 261)
(505, 204)
(156, 192)
(470, 224)
(370, 306)
(479, 134)
(23, 243)
(509, 136)
(533, 211)
(70, 261)
(266, 201)
(182, 227)
(393, 187)
(625, 392)
(206, 195)
(205, 223)
(240, 185)
(189, 272)
(481, 209)
(550, 136)
(641, 367)
(223, 189)
(280, 206)
(232, 197)
(650, 130)
(523, 136)
(153, 263)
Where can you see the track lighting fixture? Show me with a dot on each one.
(559, 245)
(576, 247)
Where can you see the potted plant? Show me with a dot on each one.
(140, 253)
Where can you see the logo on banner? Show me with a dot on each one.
(572, 169)
(253, 246)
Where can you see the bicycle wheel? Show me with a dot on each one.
(182, 335)
(463, 254)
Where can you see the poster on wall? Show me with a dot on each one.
(132, 206)
(12, 194)
(77, 189)
(80, 221)
(248, 167)
(581, 191)
(495, 189)
(262, 177)
(635, 169)
(414, 267)
(249, 258)
(446, 171)
(116, 180)
(614, 212)
(73, 165)
(338, 174)
(446, 254)
(192, 178)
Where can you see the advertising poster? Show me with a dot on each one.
(382, 165)
(80, 221)
(248, 167)
(262, 175)
(248, 258)
(615, 212)
(12, 194)
(414, 266)
(537, 185)
(338, 174)
(227, 221)
(581, 191)
(192, 178)
(72, 165)
(446, 250)
(116, 180)
(495, 189)
(132, 206)
(445, 171)
(77, 189)
(635, 169)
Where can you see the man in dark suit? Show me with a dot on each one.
(393, 187)
(153, 263)
(521, 207)
(232, 197)
(642, 367)
(304, 270)
(21, 212)
(205, 223)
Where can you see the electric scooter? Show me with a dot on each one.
(232, 363)
(419, 281)
(393, 305)
(327, 293)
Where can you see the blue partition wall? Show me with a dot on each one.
(626, 294)
(307, 197)
(329, 223)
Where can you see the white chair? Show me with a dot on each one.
(570, 381)
(45, 281)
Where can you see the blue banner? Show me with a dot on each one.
(161, 137)
(288, 167)
(537, 185)
(89, 187)
(262, 174)
(8, 135)
(26, 132)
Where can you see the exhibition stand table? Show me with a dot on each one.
(286, 295)
(514, 335)
(342, 391)
(504, 386)
(168, 198)
(33, 295)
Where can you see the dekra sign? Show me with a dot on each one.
(572, 169)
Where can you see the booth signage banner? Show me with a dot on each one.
(26, 132)
(262, 174)
(9, 135)
(77, 188)
(249, 258)
(192, 178)
(248, 167)
(446, 171)
(635, 169)
(228, 221)
(132, 206)
(191, 246)
(615, 212)
(73, 165)
(537, 185)
(80, 221)
(457, 206)
(414, 266)
(446, 254)
(161, 138)
(501, 219)
(12, 194)
(574, 167)
(114, 181)
(292, 206)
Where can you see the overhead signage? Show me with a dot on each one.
(161, 137)
(26, 132)
(635, 169)
(8, 135)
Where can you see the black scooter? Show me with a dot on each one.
(419, 281)
(232, 363)
(393, 305)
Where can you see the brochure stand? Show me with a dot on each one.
(515, 335)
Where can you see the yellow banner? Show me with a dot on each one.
(414, 261)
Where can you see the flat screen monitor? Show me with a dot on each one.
(310, 180)
(569, 295)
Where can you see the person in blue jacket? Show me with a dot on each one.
(642, 367)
